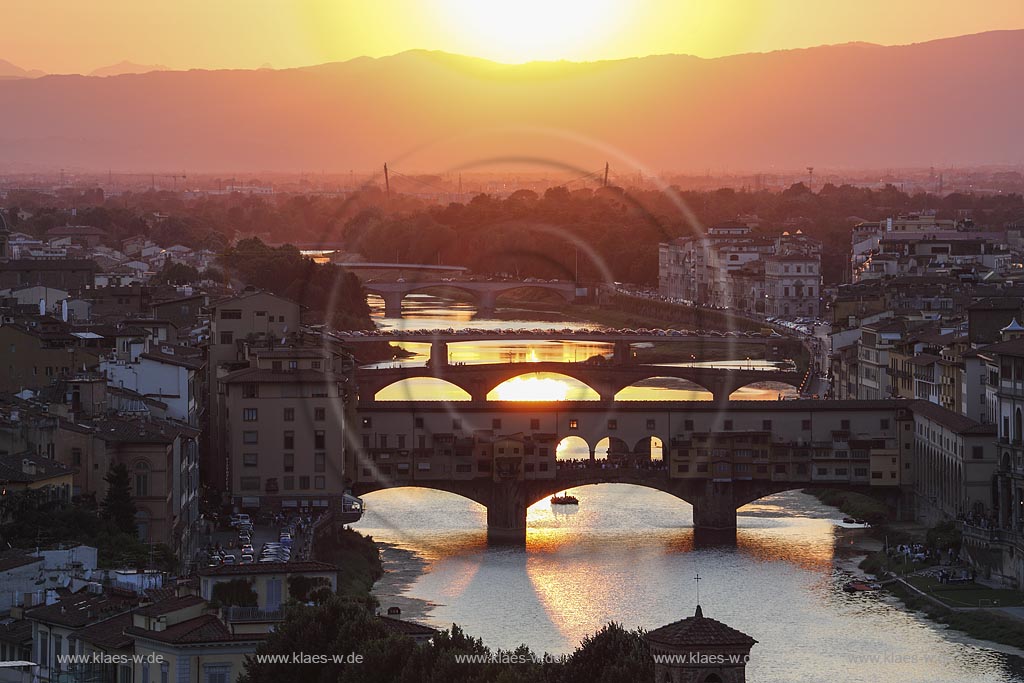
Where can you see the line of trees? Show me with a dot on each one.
(526, 234)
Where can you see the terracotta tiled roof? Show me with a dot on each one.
(108, 634)
(287, 376)
(170, 605)
(699, 630)
(961, 424)
(16, 558)
(406, 628)
(82, 608)
(203, 629)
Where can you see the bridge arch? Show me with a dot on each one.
(520, 385)
(612, 448)
(565, 295)
(769, 391)
(649, 448)
(422, 389)
(666, 388)
(448, 488)
(573, 447)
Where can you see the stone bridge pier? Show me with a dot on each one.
(392, 303)
(714, 508)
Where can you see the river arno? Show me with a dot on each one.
(627, 555)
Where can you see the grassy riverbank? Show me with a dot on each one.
(358, 560)
(984, 624)
(852, 504)
(951, 603)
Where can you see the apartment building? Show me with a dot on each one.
(250, 315)
(285, 427)
(955, 457)
(792, 285)
(35, 353)
(734, 268)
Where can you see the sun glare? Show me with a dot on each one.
(529, 30)
(531, 389)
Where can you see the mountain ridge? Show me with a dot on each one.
(851, 105)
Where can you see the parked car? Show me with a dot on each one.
(238, 519)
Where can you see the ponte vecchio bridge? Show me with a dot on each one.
(503, 455)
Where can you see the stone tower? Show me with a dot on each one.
(699, 650)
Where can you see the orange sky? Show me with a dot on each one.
(67, 36)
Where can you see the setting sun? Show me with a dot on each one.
(532, 29)
(530, 389)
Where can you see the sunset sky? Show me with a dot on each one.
(71, 36)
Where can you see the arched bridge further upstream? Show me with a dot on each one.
(606, 379)
(484, 294)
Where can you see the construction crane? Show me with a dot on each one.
(153, 177)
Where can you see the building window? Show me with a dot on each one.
(227, 337)
(250, 390)
(534, 424)
(884, 423)
(805, 425)
(289, 483)
(574, 424)
(978, 452)
(289, 414)
(293, 365)
(249, 459)
(304, 483)
(766, 425)
(250, 483)
(250, 437)
(231, 314)
(417, 423)
(456, 424)
(319, 414)
(289, 440)
(319, 440)
(319, 462)
(216, 673)
(141, 479)
(613, 424)
(289, 462)
(320, 482)
(76, 456)
(728, 425)
(650, 424)
(688, 425)
(249, 415)
(315, 365)
(496, 423)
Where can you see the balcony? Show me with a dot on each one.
(236, 614)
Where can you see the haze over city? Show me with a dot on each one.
(546, 341)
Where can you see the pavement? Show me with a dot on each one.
(261, 533)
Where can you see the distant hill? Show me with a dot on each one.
(126, 67)
(8, 70)
(956, 100)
